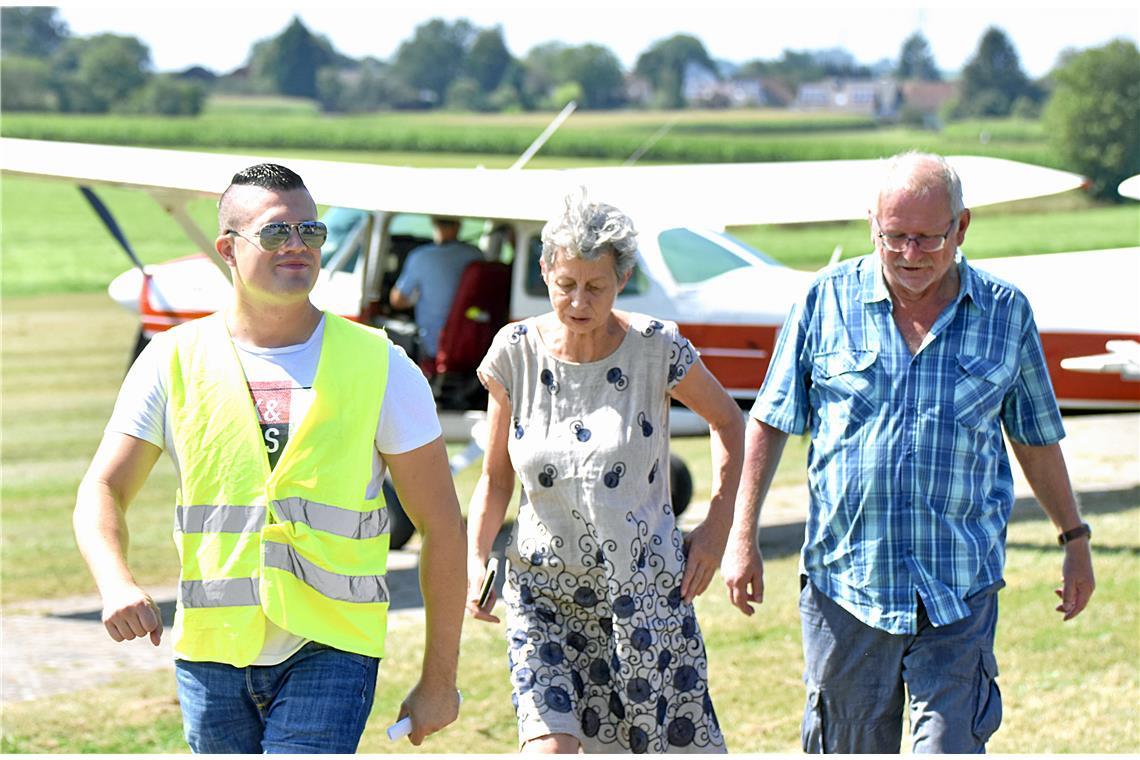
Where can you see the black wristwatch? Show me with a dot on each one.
(1080, 531)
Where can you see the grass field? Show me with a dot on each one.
(691, 136)
(64, 348)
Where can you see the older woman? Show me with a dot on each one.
(604, 647)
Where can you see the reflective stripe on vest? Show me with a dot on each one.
(225, 518)
(359, 589)
(225, 592)
(219, 518)
(347, 523)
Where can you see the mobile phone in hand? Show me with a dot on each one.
(488, 580)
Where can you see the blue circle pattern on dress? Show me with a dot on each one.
(585, 597)
(612, 479)
(546, 377)
(680, 359)
(619, 650)
(617, 378)
(646, 427)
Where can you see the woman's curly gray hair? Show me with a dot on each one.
(586, 230)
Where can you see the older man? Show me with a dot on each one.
(280, 420)
(904, 366)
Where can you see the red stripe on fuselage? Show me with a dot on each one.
(1081, 388)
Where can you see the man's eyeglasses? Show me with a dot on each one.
(274, 235)
(925, 243)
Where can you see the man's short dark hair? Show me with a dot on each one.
(273, 177)
(269, 177)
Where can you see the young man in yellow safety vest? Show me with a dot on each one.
(281, 421)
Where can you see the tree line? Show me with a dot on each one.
(1090, 101)
(44, 68)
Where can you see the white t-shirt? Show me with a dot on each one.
(280, 382)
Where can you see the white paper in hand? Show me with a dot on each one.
(403, 726)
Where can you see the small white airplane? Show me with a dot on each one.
(729, 299)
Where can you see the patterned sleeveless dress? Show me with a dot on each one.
(601, 645)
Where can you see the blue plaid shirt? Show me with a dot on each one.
(909, 478)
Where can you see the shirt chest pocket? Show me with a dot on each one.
(847, 377)
(979, 389)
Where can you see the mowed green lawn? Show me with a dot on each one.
(63, 355)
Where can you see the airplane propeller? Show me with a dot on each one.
(112, 226)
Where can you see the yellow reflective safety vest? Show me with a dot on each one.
(299, 544)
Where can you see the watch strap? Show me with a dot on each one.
(1073, 534)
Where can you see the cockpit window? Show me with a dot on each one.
(419, 225)
(693, 258)
(342, 224)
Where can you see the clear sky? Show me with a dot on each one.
(219, 35)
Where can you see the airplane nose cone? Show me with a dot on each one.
(126, 289)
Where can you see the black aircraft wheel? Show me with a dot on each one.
(402, 528)
(141, 342)
(680, 484)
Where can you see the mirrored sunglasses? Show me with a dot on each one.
(274, 235)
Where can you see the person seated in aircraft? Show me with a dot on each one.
(599, 593)
(428, 283)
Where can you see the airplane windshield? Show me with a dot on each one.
(419, 226)
(341, 223)
(694, 257)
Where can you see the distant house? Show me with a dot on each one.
(927, 97)
(777, 94)
(702, 87)
(638, 90)
(869, 97)
(698, 83)
(199, 74)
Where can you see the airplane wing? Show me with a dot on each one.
(712, 194)
(1123, 358)
(1130, 188)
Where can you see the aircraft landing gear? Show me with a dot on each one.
(140, 343)
(402, 528)
(680, 484)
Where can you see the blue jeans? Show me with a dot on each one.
(855, 677)
(317, 701)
